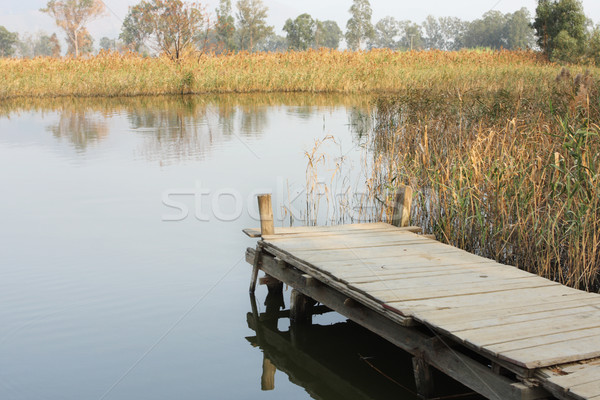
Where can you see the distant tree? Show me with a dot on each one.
(25, 45)
(560, 26)
(43, 46)
(328, 34)
(39, 44)
(252, 25)
(387, 34)
(55, 45)
(566, 47)
(171, 25)
(85, 43)
(434, 35)
(273, 43)
(359, 28)
(593, 45)
(107, 44)
(519, 33)
(411, 36)
(8, 41)
(72, 17)
(489, 31)
(453, 30)
(134, 32)
(300, 32)
(225, 28)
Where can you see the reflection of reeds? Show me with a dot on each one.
(225, 102)
(510, 175)
(112, 74)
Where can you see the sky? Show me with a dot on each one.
(24, 15)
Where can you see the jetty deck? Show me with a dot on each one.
(501, 331)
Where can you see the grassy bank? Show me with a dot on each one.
(111, 74)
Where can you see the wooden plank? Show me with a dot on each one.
(334, 243)
(349, 234)
(586, 374)
(414, 259)
(346, 233)
(402, 264)
(542, 340)
(360, 255)
(556, 379)
(516, 297)
(587, 390)
(467, 280)
(299, 230)
(386, 295)
(408, 274)
(488, 336)
(555, 353)
(447, 317)
(406, 259)
(459, 324)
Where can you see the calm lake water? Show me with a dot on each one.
(122, 271)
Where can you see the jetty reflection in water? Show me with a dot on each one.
(336, 361)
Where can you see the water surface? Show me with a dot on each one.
(108, 292)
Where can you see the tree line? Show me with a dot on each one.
(175, 27)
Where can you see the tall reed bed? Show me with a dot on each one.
(113, 74)
(513, 175)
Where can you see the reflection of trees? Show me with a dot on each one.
(253, 120)
(303, 112)
(175, 127)
(189, 127)
(80, 126)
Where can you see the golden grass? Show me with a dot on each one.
(510, 175)
(113, 74)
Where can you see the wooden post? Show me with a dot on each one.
(255, 268)
(300, 308)
(267, 380)
(265, 209)
(402, 203)
(423, 377)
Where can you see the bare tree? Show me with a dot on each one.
(72, 16)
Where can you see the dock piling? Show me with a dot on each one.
(402, 204)
(265, 209)
(423, 377)
(300, 308)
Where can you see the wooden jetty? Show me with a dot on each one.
(502, 332)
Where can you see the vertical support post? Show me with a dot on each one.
(301, 308)
(267, 379)
(423, 377)
(255, 267)
(265, 209)
(402, 203)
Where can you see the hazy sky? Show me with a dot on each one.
(24, 15)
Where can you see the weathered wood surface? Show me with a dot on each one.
(494, 309)
(573, 381)
(450, 361)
